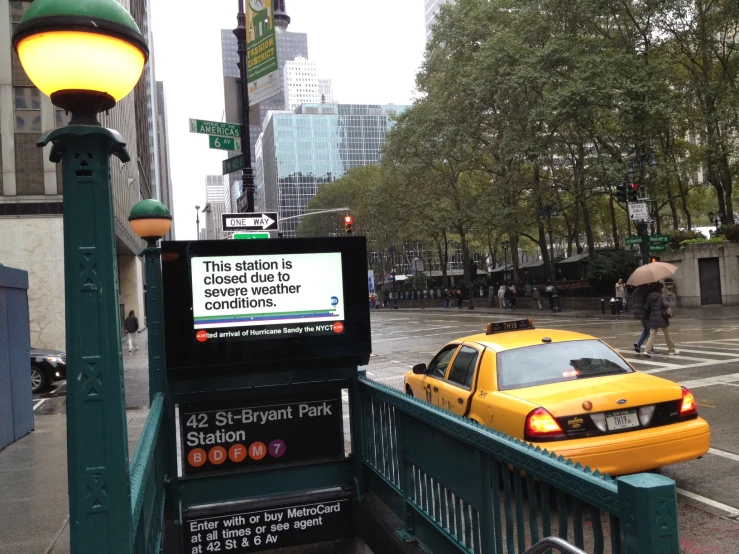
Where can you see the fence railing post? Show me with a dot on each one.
(648, 514)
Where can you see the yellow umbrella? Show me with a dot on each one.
(651, 273)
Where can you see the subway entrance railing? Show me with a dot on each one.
(458, 487)
(453, 485)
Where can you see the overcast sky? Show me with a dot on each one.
(372, 55)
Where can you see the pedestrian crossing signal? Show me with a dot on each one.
(348, 224)
(654, 259)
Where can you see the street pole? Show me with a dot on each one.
(505, 264)
(197, 221)
(97, 441)
(247, 177)
(155, 316)
(555, 295)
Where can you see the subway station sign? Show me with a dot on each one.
(246, 436)
(254, 529)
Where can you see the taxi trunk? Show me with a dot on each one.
(607, 393)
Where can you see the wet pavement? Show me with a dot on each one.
(33, 471)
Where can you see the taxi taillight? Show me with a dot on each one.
(540, 425)
(687, 406)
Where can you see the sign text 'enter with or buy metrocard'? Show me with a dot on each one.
(254, 529)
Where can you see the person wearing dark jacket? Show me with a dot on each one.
(638, 299)
(132, 326)
(654, 309)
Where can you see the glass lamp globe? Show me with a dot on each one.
(85, 54)
(150, 219)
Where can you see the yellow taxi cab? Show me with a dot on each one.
(567, 392)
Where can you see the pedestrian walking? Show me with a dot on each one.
(514, 294)
(132, 327)
(447, 297)
(549, 292)
(508, 295)
(536, 297)
(501, 296)
(460, 299)
(620, 294)
(657, 309)
(638, 299)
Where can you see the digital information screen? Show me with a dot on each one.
(245, 306)
(262, 296)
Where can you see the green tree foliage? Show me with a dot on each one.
(525, 104)
(604, 270)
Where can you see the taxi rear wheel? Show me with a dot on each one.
(408, 390)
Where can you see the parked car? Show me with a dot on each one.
(47, 366)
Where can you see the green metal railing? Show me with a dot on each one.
(148, 470)
(460, 487)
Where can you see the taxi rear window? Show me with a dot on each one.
(557, 362)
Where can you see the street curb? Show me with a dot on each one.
(515, 314)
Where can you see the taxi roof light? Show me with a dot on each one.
(505, 326)
(540, 425)
(687, 407)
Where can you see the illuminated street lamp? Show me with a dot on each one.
(87, 55)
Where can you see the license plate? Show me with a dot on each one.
(625, 419)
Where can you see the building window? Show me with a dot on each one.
(17, 10)
(27, 110)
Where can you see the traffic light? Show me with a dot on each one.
(633, 192)
(348, 224)
(621, 192)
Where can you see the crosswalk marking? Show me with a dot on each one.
(704, 352)
(710, 381)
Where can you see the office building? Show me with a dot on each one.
(327, 91)
(165, 176)
(215, 206)
(298, 152)
(431, 8)
(301, 83)
(31, 189)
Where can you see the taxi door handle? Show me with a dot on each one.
(436, 389)
(461, 401)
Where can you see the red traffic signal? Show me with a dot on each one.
(633, 192)
(348, 224)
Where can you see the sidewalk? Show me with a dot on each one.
(706, 313)
(34, 506)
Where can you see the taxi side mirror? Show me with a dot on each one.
(419, 369)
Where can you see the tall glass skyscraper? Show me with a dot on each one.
(431, 8)
(298, 152)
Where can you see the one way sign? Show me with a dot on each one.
(260, 221)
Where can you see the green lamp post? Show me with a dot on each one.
(151, 220)
(86, 55)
